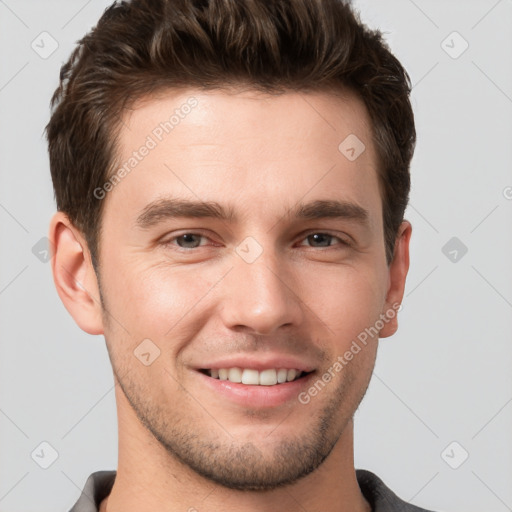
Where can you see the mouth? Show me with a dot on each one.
(262, 386)
(253, 381)
(253, 377)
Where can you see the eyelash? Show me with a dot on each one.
(169, 242)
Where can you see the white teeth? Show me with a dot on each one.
(282, 373)
(248, 376)
(235, 375)
(291, 375)
(268, 377)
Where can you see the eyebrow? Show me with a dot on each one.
(169, 208)
(334, 209)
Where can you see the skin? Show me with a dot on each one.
(181, 445)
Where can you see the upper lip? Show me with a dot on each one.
(258, 363)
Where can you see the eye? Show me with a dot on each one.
(186, 240)
(320, 239)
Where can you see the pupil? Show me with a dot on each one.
(188, 239)
(317, 237)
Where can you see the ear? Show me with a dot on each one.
(73, 274)
(398, 269)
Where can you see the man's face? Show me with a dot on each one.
(286, 282)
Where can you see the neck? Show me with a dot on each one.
(149, 479)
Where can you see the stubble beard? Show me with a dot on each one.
(223, 460)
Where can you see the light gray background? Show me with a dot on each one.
(444, 377)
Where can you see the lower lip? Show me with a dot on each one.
(257, 396)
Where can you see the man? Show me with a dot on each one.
(231, 178)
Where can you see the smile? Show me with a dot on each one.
(252, 377)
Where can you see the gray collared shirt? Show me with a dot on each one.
(380, 497)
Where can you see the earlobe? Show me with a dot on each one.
(74, 275)
(398, 269)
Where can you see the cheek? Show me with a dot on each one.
(154, 300)
(350, 303)
(158, 304)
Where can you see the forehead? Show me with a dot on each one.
(260, 149)
(220, 114)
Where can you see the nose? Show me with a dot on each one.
(261, 297)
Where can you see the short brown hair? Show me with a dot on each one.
(140, 47)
